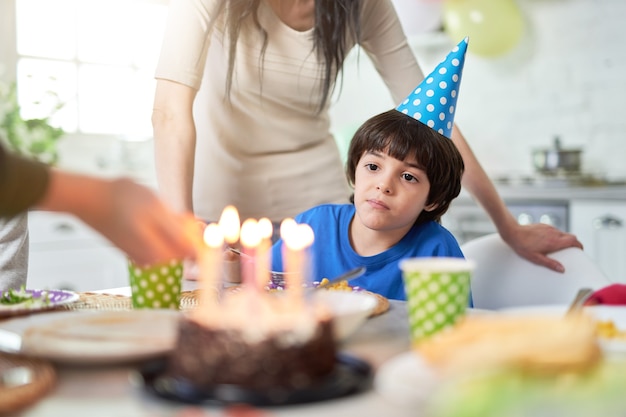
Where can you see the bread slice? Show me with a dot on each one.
(539, 344)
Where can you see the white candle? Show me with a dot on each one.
(297, 238)
(211, 261)
(231, 227)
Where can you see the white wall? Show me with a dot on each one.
(566, 78)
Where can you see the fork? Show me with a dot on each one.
(578, 301)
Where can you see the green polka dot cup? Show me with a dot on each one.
(156, 286)
(437, 293)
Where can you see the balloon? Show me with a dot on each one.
(493, 26)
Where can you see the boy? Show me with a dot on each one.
(405, 172)
(404, 175)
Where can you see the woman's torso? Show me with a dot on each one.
(266, 149)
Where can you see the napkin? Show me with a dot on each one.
(614, 294)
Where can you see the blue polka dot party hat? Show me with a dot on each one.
(433, 102)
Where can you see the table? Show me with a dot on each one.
(110, 391)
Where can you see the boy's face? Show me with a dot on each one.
(389, 194)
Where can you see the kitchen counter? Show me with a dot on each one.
(555, 192)
(572, 208)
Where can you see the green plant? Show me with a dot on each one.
(34, 138)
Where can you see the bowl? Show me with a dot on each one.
(349, 310)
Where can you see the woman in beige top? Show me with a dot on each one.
(241, 109)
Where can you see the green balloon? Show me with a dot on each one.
(493, 26)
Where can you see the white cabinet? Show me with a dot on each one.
(601, 227)
(65, 253)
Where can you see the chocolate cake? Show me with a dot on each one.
(274, 349)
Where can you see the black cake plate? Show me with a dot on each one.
(350, 376)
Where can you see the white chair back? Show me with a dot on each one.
(504, 279)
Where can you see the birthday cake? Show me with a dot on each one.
(259, 342)
(254, 340)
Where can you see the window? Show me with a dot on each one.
(97, 57)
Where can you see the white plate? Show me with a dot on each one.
(94, 337)
(407, 380)
(600, 312)
(617, 314)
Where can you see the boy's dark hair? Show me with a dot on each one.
(400, 136)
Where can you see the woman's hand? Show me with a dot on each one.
(535, 241)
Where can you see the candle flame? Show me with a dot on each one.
(213, 236)
(250, 236)
(266, 228)
(230, 224)
(299, 237)
(286, 227)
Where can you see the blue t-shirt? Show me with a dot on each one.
(332, 253)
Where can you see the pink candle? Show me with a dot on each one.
(264, 252)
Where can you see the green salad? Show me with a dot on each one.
(23, 298)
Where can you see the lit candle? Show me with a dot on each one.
(264, 252)
(297, 238)
(286, 226)
(250, 239)
(286, 229)
(210, 261)
(230, 224)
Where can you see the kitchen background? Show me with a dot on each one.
(565, 78)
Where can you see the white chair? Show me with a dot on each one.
(504, 279)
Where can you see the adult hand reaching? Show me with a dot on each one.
(130, 215)
(536, 241)
(532, 242)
